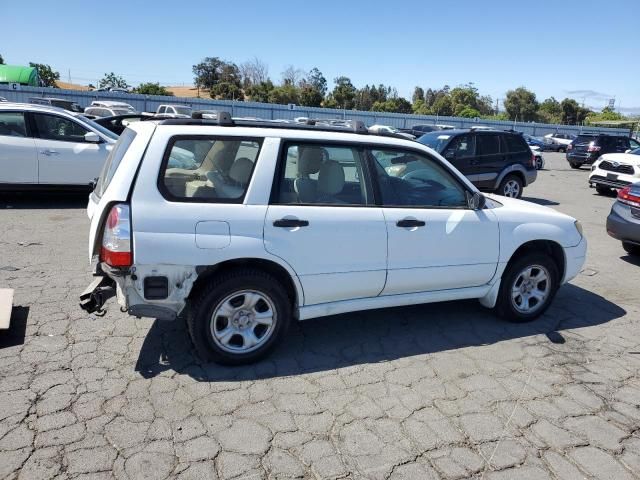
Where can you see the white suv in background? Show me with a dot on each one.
(49, 147)
(272, 222)
(615, 170)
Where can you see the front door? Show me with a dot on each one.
(18, 158)
(64, 157)
(435, 241)
(322, 221)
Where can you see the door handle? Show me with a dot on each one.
(290, 223)
(50, 152)
(410, 222)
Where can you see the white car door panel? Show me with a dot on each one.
(340, 254)
(454, 249)
(18, 158)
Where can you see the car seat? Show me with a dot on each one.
(309, 162)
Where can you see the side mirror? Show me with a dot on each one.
(92, 137)
(627, 151)
(476, 201)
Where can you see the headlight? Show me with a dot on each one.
(579, 227)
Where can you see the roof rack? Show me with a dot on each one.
(224, 119)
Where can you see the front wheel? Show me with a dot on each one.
(603, 190)
(239, 317)
(562, 150)
(539, 163)
(528, 287)
(631, 248)
(574, 165)
(511, 187)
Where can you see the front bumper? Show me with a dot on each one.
(622, 224)
(608, 181)
(574, 258)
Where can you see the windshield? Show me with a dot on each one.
(98, 127)
(635, 151)
(183, 110)
(435, 140)
(118, 111)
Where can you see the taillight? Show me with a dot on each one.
(593, 148)
(116, 238)
(629, 196)
(533, 159)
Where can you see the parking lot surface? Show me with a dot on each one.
(426, 392)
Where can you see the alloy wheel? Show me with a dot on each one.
(531, 289)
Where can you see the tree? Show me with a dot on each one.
(284, 94)
(151, 89)
(207, 73)
(344, 93)
(46, 74)
(260, 92)
(316, 80)
(111, 80)
(418, 95)
(572, 113)
(442, 106)
(310, 96)
(550, 111)
(254, 72)
(521, 105)
(292, 75)
(1, 60)
(468, 112)
(396, 105)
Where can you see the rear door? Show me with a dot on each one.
(322, 221)
(18, 157)
(64, 157)
(489, 160)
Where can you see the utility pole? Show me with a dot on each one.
(69, 75)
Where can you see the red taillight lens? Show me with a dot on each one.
(116, 238)
(533, 159)
(629, 196)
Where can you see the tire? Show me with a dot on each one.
(507, 303)
(243, 293)
(562, 150)
(511, 186)
(603, 190)
(631, 248)
(575, 165)
(539, 163)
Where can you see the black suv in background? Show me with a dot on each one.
(588, 147)
(493, 160)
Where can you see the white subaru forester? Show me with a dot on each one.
(244, 226)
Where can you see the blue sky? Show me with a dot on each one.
(583, 49)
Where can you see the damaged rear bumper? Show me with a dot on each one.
(101, 289)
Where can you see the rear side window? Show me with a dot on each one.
(583, 139)
(487, 144)
(208, 169)
(516, 143)
(113, 161)
(12, 124)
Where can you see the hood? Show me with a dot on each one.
(524, 206)
(621, 158)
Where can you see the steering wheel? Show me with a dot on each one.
(428, 182)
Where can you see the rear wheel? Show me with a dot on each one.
(239, 317)
(527, 288)
(631, 248)
(511, 186)
(539, 163)
(574, 165)
(562, 150)
(603, 190)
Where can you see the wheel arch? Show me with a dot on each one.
(517, 170)
(283, 274)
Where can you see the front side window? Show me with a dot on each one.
(461, 146)
(487, 144)
(411, 179)
(53, 127)
(314, 174)
(12, 124)
(208, 169)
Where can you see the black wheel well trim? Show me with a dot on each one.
(515, 169)
(205, 272)
(551, 247)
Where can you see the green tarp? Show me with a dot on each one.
(17, 74)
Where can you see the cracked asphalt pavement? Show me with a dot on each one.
(429, 391)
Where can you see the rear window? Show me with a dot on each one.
(208, 169)
(516, 143)
(113, 161)
(436, 140)
(582, 139)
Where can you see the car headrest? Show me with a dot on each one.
(241, 170)
(310, 161)
(223, 161)
(331, 178)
